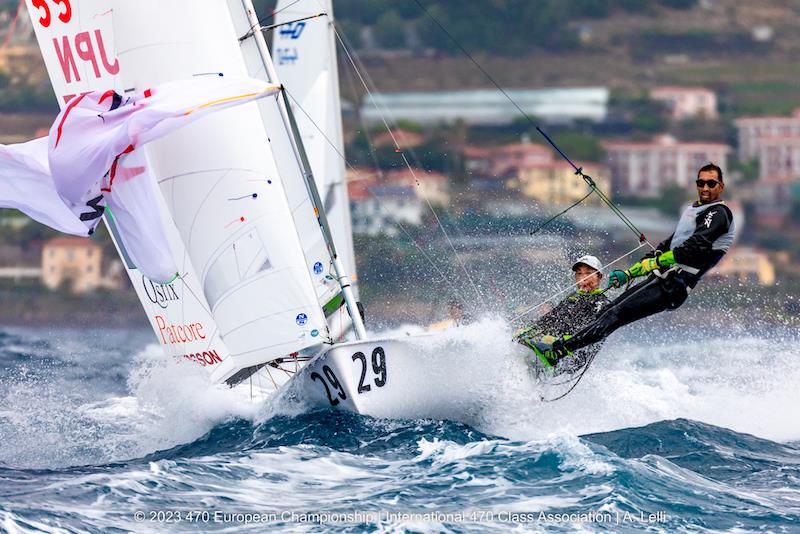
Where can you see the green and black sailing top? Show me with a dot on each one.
(572, 313)
(703, 235)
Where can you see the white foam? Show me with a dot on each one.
(742, 382)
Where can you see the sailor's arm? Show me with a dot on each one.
(664, 245)
(696, 251)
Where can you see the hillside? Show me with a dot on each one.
(623, 44)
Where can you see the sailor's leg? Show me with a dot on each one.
(636, 303)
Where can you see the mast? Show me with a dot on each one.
(308, 176)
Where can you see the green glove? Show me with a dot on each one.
(666, 259)
(618, 278)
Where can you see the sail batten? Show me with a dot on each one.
(171, 308)
(228, 199)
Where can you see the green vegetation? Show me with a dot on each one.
(580, 146)
(747, 170)
(502, 27)
(669, 202)
(26, 99)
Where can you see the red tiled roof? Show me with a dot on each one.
(71, 242)
(664, 146)
(405, 138)
(472, 151)
(421, 174)
(779, 139)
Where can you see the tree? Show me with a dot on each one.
(673, 197)
(390, 30)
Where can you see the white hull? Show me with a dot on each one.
(399, 378)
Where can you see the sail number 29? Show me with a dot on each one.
(333, 387)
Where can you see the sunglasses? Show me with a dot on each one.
(710, 183)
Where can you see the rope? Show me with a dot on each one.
(578, 170)
(377, 166)
(377, 200)
(556, 216)
(260, 28)
(408, 165)
(574, 384)
(564, 290)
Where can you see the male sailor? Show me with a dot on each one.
(702, 236)
(575, 311)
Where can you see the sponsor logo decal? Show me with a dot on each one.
(293, 30)
(159, 294)
(172, 334)
(318, 267)
(287, 56)
(314, 333)
(207, 357)
(301, 319)
(708, 218)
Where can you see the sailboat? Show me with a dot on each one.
(253, 202)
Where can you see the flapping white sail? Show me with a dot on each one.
(77, 45)
(227, 198)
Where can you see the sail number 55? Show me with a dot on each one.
(64, 14)
(334, 390)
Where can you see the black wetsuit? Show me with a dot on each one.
(694, 256)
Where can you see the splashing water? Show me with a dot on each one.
(95, 428)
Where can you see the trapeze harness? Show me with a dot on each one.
(664, 290)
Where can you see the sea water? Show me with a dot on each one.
(671, 430)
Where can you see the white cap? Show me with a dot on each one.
(590, 261)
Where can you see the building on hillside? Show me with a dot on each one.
(747, 265)
(644, 169)
(752, 129)
(430, 186)
(404, 138)
(556, 182)
(687, 102)
(779, 157)
(377, 209)
(75, 261)
(773, 201)
(488, 107)
(497, 162)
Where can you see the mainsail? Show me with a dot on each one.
(245, 296)
(227, 200)
(77, 45)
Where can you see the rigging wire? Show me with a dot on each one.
(562, 212)
(383, 111)
(260, 28)
(253, 29)
(408, 165)
(584, 368)
(578, 170)
(379, 203)
(379, 170)
(567, 288)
